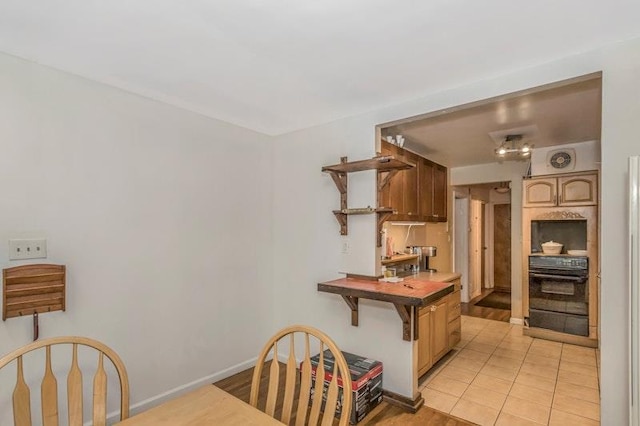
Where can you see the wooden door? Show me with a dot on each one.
(475, 248)
(539, 192)
(502, 247)
(439, 330)
(424, 340)
(578, 190)
(439, 193)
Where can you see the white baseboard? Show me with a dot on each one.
(516, 321)
(148, 403)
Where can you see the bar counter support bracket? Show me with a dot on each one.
(353, 305)
(403, 310)
(405, 314)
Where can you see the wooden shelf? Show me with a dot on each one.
(387, 166)
(383, 163)
(399, 258)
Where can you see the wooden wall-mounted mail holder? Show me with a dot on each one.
(32, 290)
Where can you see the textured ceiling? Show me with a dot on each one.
(278, 66)
(543, 116)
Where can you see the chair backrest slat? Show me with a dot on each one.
(21, 399)
(332, 399)
(74, 390)
(49, 394)
(303, 412)
(49, 391)
(318, 389)
(274, 382)
(290, 383)
(100, 394)
(305, 384)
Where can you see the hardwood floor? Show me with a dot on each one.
(239, 385)
(472, 310)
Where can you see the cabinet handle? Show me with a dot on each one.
(433, 308)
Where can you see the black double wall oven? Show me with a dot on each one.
(559, 293)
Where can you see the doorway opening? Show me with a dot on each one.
(482, 231)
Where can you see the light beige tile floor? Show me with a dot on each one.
(497, 376)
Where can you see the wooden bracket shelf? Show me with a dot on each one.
(386, 166)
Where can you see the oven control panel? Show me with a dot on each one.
(559, 262)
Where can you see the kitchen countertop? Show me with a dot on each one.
(407, 296)
(415, 290)
(438, 276)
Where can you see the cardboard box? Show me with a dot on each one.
(366, 383)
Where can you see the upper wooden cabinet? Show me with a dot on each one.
(402, 192)
(432, 191)
(568, 190)
(421, 192)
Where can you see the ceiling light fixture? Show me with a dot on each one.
(513, 149)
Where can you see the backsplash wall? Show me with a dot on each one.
(431, 234)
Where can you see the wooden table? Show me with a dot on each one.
(207, 405)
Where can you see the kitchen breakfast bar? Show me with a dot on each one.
(412, 293)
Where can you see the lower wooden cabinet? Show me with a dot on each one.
(424, 340)
(439, 329)
(454, 330)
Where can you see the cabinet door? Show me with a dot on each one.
(410, 186)
(439, 193)
(539, 192)
(424, 340)
(439, 330)
(455, 332)
(453, 306)
(578, 190)
(391, 194)
(425, 188)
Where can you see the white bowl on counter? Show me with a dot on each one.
(551, 247)
(577, 252)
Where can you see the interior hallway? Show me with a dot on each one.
(497, 376)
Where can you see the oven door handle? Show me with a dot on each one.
(558, 277)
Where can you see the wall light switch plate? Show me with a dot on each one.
(345, 246)
(27, 249)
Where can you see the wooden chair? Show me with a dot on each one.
(49, 387)
(340, 373)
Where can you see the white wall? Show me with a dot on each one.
(308, 246)
(163, 218)
(307, 240)
(587, 157)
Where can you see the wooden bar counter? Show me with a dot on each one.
(413, 292)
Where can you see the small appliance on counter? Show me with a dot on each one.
(427, 252)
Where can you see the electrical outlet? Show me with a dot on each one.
(27, 249)
(345, 247)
